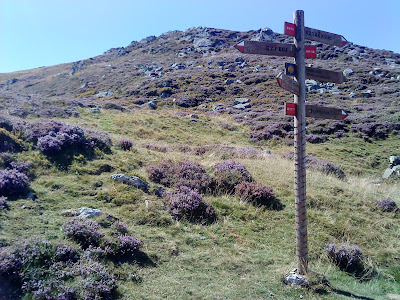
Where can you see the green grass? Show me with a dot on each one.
(246, 253)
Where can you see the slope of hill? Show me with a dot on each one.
(165, 110)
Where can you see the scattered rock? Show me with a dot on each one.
(177, 66)
(132, 180)
(352, 95)
(393, 169)
(368, 94)
(11, 81)
(152, 104)
(83, 212)
(121, 52)
(76, 67)
(294, 279)
(264, 35)
(229, 81)
(193, 116)
(242, 106)
(84, 85)
(217, 107)
(94, 110)
(348, 72)
(241, 101)
(104, 94)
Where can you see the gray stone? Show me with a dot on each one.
(104, 94)
(76, 67)
(193, 116)
(200, 43)
(86, 212)
(241, 101)
(348, 72)
(229, 81)
(368, 94)
(84, 85)
(132, 180)
(152, 104)
(242, 106)
(217, 107)
(177, 66)
(352, 95)
(394, 160)
(388, 172)
(239, 59)
(354, 52)
(264, 35)
(11, 81)
(121, 52)
(294, 279)
(94, 110)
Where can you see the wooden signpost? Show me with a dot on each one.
(299, 109)
(317, 112)
(317, 35)
(316, 74)
(273, 49)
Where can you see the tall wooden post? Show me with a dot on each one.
(300, 148)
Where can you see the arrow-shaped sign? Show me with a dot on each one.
(318, 112)
(274, 49)
(316, 74)
(288, 83)
(317, 35)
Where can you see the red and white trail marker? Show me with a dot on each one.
(317, 35)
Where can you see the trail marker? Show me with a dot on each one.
(318, 112)
(288, 83)
(273, 49)
(299, 109)
(324, 75)
(317, 35)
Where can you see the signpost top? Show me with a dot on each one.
(317, 35)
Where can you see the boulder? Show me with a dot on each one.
(104, 94)
(242, 106)
(94, 110)
(132, 180)
(264, 35)
(152, 104)
(348, 72)
(76, 67)
(241, 101)
(11, 81)
(83, 212)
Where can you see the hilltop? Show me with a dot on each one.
(126, 133)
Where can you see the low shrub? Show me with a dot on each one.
(13, 182)
(255, 193)
(8, 142)
(182, 173)
(125, 144)
(125, 245)
(187, 204)
(228, 174)
(85, 232)
(387, 205)
(347, 257)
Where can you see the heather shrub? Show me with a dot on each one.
(347, 257)
(85, 232)
(182, 173)
(187, 204)
(125, 144)
(256, 193)
(387, 205)
(3, 203)
(13, 182)
(123, 245)
(228, 174)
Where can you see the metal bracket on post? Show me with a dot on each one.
(300, 148)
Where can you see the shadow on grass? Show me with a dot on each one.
(140, 258)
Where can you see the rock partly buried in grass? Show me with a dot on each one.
(83, 212)
(387, 205)
(132, 180)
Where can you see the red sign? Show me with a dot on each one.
(290, 109)
(290, 28)
(311, 52)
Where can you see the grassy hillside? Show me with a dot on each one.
(61, 143)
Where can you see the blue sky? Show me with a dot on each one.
(35, 33)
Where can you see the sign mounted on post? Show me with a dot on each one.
(324, 75)
(288, 83)
(317, 35)
(273, 49)
(317, 112)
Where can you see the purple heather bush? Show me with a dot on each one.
(85, 232)
(387, 205)
(157, 148)
(187, 204)
(228, 174)
(13, 182)
(181, 173)
(125, 144)
(347, 257)
(256, 193)
(125, 245)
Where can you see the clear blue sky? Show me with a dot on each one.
(36, 33)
